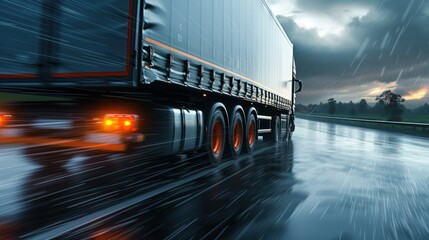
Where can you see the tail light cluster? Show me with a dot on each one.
(120, 122)
(4, 118)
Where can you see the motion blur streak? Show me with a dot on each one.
(39, 141)
(332, 182)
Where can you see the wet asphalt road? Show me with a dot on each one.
(332, 182)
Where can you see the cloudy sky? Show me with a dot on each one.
(354, 49)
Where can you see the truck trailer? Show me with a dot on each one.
(161, 77)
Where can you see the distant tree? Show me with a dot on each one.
(332, 106)
(392, 104)
(353, 111)
(422, 110)
(340, 108)
(323, 107)
(378, 109)
(363, 107)
(349, 108)
(300, 108)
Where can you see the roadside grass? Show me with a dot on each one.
(416, 119)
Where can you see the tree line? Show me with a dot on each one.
(388, 106)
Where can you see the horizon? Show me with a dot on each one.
(371, 104)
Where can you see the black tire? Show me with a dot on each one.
(216, 136)
(48, 156)
(276, 130)
(251, 133)
(236, 134)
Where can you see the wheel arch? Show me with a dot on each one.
(252, 110)
(214, 107)
(240, 109)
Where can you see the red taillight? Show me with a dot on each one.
(4, 118)
(120, 122)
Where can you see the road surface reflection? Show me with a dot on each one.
(332, 182)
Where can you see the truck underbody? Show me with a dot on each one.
(168, 122)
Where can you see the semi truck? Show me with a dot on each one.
(160, 77)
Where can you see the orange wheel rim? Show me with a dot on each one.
(217, 138)
(238, 135)
(252, 136)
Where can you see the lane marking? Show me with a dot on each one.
(78, 144)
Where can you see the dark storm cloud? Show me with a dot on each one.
(390, 44)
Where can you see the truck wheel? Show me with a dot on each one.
(216, 136)
(276, 130)
(48, 156)
(236, 134)
(251, 133)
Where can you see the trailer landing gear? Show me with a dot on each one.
(290, 127)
